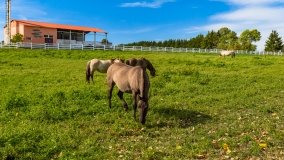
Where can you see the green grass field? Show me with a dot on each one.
(201, 107)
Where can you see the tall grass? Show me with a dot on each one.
(201, 107)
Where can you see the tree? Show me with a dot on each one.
(17, 38)
(211, 40)
(196, 41)
(227, 39)
(274, 42)
(247, 37)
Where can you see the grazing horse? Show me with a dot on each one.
(228, 53)
(98, 65)
(143, 62)
(133, 80)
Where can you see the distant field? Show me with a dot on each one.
(201, 107)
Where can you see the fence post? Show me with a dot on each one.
(104, 47)
(31, 45)
(82, 47)
(57, 46)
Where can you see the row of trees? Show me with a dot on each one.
(224, 38)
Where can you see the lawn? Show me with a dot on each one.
(201, 107)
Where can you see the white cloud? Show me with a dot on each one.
(154, 4)
(252, 14)
(255, 2)
(250, 2)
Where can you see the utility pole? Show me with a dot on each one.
(8, 22)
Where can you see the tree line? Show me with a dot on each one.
(224, 38)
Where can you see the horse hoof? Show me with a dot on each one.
(125, 107)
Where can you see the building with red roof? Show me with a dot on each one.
(43, 32)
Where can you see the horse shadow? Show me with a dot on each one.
(183, 117)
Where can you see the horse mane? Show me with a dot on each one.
(112, 60)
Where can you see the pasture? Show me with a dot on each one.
(201, 107)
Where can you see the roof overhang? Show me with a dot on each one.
(60, 26)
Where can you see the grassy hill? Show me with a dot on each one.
(201, 107)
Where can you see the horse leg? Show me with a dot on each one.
(135, 101)
(92, 76)
(92, 71)
(124, 104)
(110, 85)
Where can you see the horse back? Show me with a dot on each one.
(227, 53)
(100, 65)
(129, 78)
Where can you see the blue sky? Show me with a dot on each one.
(136, 20)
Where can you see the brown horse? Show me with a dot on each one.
(133, 80)
(98, 65)
(143, 62)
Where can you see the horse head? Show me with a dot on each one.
(143, 105)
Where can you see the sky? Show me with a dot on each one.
(155, 20)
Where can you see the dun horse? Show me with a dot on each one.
(144, 63)
(98, 65)
(228, 53)
(133, 80)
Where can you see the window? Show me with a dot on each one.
(48, 36)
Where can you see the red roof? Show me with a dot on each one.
(60, 26)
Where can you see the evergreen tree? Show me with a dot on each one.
(210, 40)
(196, 42)
(274, 42)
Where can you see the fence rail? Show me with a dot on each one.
(127, 48)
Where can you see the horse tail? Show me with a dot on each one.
(141, 82)
(88, 71)
(143, 85)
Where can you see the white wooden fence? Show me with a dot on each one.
(126, 48)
